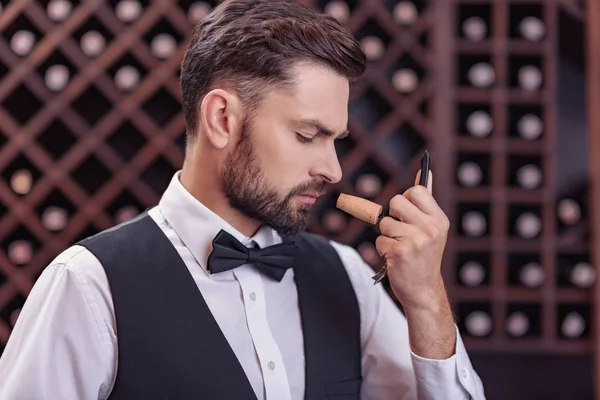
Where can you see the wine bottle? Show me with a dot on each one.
(56, 77)
(481, 75)
(368, 252)
(480, 124)
(529, 176)
(478, 323)
(405, 13)
(530, 78)
(474, 224)
(532, 28)
(569, 211)
(54, 218)
(128, 10)
(469, 174)
(59, 10)
(517, 324)
(21, 181)
(163, 46)
(528, 225)
(22, 42)
(405, 80)
(573, 325)
(368, 185)
(582, 275)
(339, 10)
(20, 252)
(127, 78)
(334, 221)
(472, 274)
(532, 275)
(198, 11)
(92, 43)
(373, 47)
(126, 213)
(530, 126)
(474, 29)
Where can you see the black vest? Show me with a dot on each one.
(171, 347)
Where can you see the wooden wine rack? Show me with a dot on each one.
(93, 148)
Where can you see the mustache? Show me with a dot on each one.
(316, 187)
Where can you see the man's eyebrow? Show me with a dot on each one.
(313, 123)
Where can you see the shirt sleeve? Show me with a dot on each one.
(390, 369)
(59, 346)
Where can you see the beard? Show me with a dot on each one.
(249, 191)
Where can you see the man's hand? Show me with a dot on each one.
(412, 242)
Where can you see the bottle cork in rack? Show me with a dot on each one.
(362, 209)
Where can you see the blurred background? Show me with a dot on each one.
(498, 91)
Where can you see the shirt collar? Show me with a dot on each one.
(197, 226)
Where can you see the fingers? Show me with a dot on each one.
(403, 209)
(396, 229)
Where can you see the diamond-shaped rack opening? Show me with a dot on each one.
(158, 175)
(481, 258)
(21, 174)
(465, 62)
(162, 107)
(92, 105)
(516, 262)
(466, 11)
(57, 139)
(372, 28)
(89, 230)
(93, 24)
(483, 162)
(517, 61)
(162, 26)
(344, 146)
(128, 59)
(517, 210)
(3, 138)
(3, 69)
(10, 311)
(18, 24)
(56, 199)
(515, 162)
(22, 104)
(377, 178)
(3, 279)
(127, 140)
(180, 142)
(464, 112)
(402, 145)
(569, 319)
(126, 205)
(56, 58)
(518, 12)
(516, 113)
(369, 109)
(91, 174)
(20, 233)
(323, 5)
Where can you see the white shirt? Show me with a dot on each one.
(64, 345)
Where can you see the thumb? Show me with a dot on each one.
(429, 180)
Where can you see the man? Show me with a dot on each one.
(214, 293)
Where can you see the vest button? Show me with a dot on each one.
(253, 296)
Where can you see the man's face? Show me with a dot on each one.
(286, 155)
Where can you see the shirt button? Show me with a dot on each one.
(253, 296)
(465, 375)
(271, 365)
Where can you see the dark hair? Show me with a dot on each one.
(250, 45)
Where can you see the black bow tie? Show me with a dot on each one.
(229, 253)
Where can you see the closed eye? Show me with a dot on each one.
(304, 139)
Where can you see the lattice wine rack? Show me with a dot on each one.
(91, 132)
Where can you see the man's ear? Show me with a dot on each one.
(221, 117)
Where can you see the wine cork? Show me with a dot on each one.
(362, 209)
